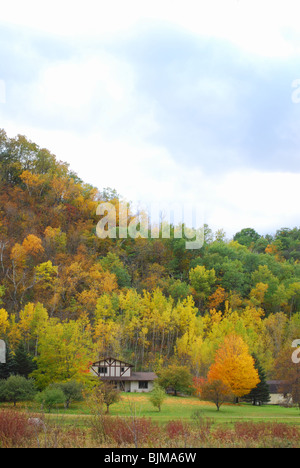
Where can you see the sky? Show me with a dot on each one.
(194, 102)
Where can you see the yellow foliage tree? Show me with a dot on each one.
(33, 321)
(65, 352)
(234, 366)
(33, 182)
(257, 294)
(4, 323)
(33, 245)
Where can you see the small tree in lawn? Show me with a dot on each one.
(215, 391)
(72, 391)
(50, 397)
(109, 393)
(17, 388)
(157, 396)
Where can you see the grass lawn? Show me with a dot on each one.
(184, 407)
(179, 408)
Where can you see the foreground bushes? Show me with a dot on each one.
(143, 432)
(16, 431)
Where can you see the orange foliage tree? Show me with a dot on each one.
(234, 366)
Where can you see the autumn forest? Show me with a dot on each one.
(68, 297)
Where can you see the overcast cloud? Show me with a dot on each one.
(180, 101)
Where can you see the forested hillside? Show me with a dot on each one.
(68, 297)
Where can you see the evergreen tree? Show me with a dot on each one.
(7, 369)
(261, 393)
(23, 363)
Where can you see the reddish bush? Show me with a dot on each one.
(250, 430)
(223, 436)
(15, 430)
(259, 431)
(285, 431)
(203, 425)
(178, 428)
(131, 431)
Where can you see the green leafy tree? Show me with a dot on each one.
(72, 391)
(157, 396)
(177, 378)
(179, 290)
(233, 277)
(17, 388)
(51, 397)
(113, 264)
(202, 281)
(64, 353)
(247, 237)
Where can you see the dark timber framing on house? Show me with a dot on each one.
(112, 364)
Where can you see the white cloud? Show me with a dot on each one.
(258, 27)
(148, 174)
(107, 121)
(261, 200)
(76, 87)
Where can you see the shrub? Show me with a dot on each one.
(256, 435)
(263, 430)
(15, 429)
(222, 436)
(157, 396)
(17, 388)
(72, 391)
(203, 425)
(180, 434)
(51, 397)
(130, 431)
(177, 429)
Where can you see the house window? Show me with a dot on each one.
(122, 369)
(143, 385)
(102, 370)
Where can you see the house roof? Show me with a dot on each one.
(277, 386)
(135, 376)
(108, 359)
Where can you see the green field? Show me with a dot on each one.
(179, 408)
(75, 427)
(184, 407)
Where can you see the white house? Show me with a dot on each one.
(121, 375)
(279, 392)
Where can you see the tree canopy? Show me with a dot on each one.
(68, 297)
